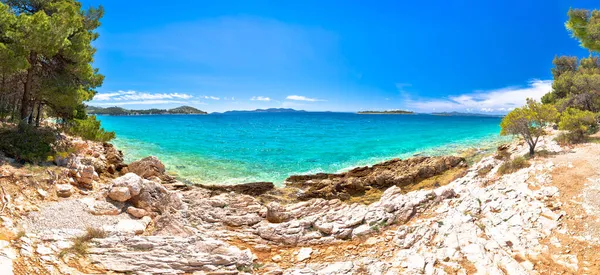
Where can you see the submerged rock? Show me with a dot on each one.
(251, 189)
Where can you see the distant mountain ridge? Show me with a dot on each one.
(269, 110)
(464, 114)
(118, 111)
(390, 112)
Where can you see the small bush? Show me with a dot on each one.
(26, 143)
(90, 129)
(579, 125)
(511, 166)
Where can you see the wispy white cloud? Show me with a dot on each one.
(121, 98)
(260, 98)
(493, 101)
(210, 97)
(302, 98)
(134, 95)
(147, 102)
(109, 96)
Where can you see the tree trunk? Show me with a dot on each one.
(39, 112)
(531, 151)
(27, 89)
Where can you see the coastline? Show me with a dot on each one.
(368, 212)
(473, 151)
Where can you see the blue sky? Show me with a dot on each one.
(426, 56)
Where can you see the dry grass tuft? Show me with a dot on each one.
(514, 165)
(81, 244)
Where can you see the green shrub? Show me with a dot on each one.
(511, 166)
(90, 129)
(26, 143)
(578, 123)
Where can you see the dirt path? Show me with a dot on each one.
(575, 246)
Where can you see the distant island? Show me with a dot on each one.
(464, 114)
(118, 111)
(270, 110)
(391, 112)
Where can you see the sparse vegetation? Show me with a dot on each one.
(20, 234)
(376, 226)
(511, 166)
(89, 128)
(579, 125)
(542, 154)
(484, 171)
(529, 122)
(81, 244)
(244, 268)
(26, 143)
(502, 155)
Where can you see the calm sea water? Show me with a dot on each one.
(238, 148)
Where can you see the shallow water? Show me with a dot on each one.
(238, 148)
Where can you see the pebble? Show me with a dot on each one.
(304, 254)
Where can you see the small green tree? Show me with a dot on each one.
(579, 124)
(89, 128)
(585, 26)
(529, 122)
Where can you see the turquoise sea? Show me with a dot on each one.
(246, 147)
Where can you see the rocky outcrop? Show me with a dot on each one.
(169, 255)
(82, 171)
(355, 182)
(114, 159)
(481, 222)
(252, 188)
(150, 167)
(145, 195)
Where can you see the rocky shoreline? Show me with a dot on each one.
(432, 215)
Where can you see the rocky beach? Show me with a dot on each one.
(93, 214)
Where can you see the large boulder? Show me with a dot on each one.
(113, 156)
(85, 176)
(119, 193)
(156, 198)
(150, 167)
(131, 181)
(114, 159)
(143, 194)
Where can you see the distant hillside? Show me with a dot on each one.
(270, 110)
(186, 110)
(118, 111)
(464, 114)
(392, 112)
